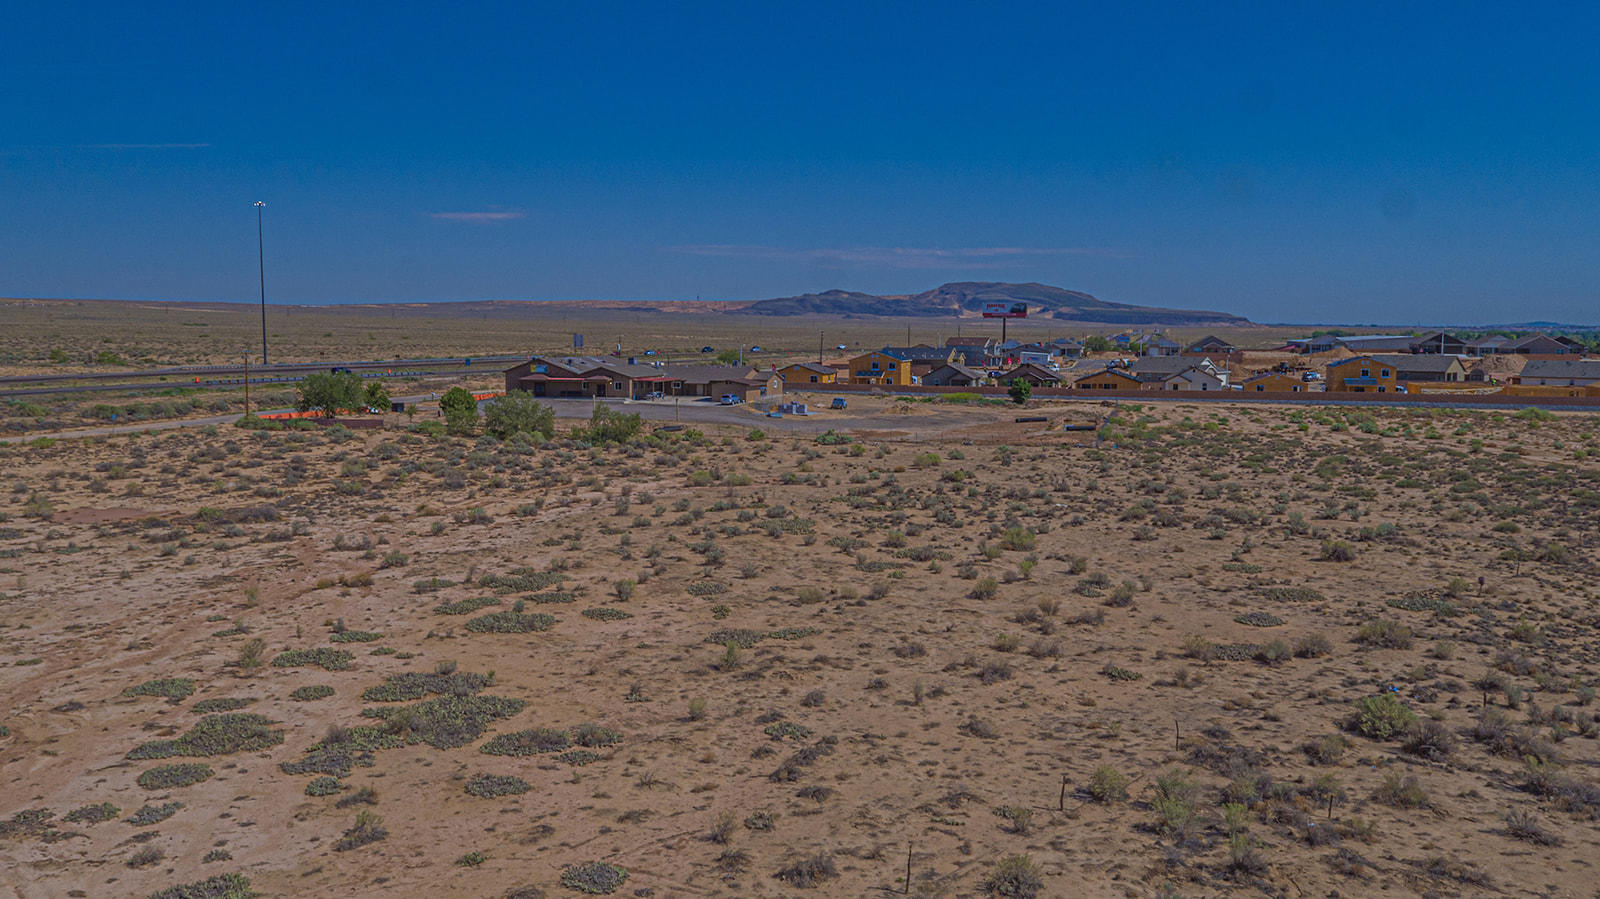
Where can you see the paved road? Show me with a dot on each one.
(267, 371)
(709, 412)
(689, 412)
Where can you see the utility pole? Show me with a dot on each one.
(261, 264)
(819, 347)
(246, 385)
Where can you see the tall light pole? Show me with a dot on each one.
(261, 262)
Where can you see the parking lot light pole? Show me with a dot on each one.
(261, 265)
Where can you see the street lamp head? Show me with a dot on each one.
(259, 203)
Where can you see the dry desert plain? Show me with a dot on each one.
(1231, 651)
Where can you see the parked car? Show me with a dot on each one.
(706, 349)
(841, 347)
(838, 403)
(340, 370)
(649, 352)
(755, 349)
(731, 399)
(1311, 376)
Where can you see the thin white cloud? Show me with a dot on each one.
(896, 257)
(479, 218)
(142, 146)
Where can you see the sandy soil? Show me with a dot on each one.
(951, 624)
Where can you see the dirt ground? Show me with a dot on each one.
(1212, 650)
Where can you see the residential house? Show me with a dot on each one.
(953, 374)
(1492, 345)
(1161, 346)
(1273, 382)
(1107, 379)
(1211, 344)
(1541, 345)
(808, 373)
(1322, 343)
(708, 380)
(1067, 348)
(1036, 375)
(1559, 373)
(748, 389)
(585, 376)
(924, 358)
(883, 367)
(1440, 344)
(1155, 372)
(1360, 374)
(1424, 367)
(985, 344)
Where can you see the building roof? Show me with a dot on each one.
(1561, 368)
(1269, 373)
(959, 369)
(1370, 343)
(968, 341)
(1082, 372)
(1408, 362)
(920, 353)
(1493, 340)
(817, 367)
(1210, 340)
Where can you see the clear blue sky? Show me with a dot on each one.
(1289, 162)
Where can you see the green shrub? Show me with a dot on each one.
(176, 689)
(511, 623)
(324, 786)
(92, 814)
(311, 693)
(154, 814)
(1382, 717)
(1107, 785)
(1014, 877)
(489, 786)
(166, 777)
(223, 886)
(595, 878)
(1384, 634)
(215, 735)
(517, 412)
(321, 657)
(466, 606)
(367, 829)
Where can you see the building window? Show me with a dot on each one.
(813, 379)
(1366, 373)
(892, 366)
(617, 384)
(1381, 389)
(874, 366)
(1383, 373)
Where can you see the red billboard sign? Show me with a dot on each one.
(1005, 310)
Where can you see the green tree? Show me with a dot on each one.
(518, 413)
(460, 411)
(728, 357)
(607, 425)
(330, 393)
(1020, 391)
(1097, 344)
(376, 396)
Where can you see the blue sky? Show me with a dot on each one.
(1387, 163)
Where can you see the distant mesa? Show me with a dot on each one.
(969, 297)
